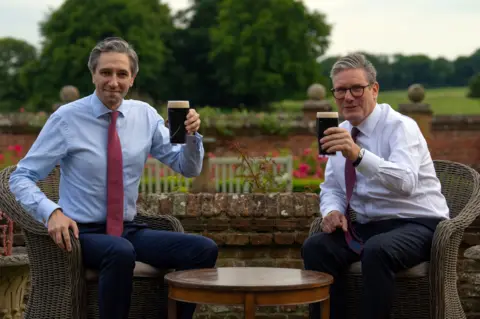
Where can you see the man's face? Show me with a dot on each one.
(112, 78)
(354, 107)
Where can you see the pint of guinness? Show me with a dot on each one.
(177, 115)
(325, 120)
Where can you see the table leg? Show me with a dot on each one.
(326, 309)
(249, 306)
(172, 309)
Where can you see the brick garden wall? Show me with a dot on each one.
(455, 138)
(268, 230)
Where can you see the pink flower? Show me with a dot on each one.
(303, 168)
(299, 174)
(307, 151)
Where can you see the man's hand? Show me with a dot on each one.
(334, 220)
(193, 121)
(339, 139)
(58, 229)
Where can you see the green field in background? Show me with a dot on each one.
(444, 101)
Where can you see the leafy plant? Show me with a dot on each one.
(259, 172)
(310, 164)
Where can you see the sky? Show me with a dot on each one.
(437, 28)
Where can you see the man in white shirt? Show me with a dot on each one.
(382, 170)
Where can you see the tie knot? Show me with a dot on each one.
(354, 132)
(114, 115)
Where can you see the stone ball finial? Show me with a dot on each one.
(69, 93)
(316, 91)
(416, 93)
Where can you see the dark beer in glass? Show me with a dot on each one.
(177, 115)
(325, 120)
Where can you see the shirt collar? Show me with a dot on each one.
(100, 109)
(368, 125)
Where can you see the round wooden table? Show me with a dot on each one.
(250, 286)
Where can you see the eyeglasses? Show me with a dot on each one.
(355, 91)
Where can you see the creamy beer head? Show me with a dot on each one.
(178, 105)
(327, 115)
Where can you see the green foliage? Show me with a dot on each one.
(266, 50)
(443, 101)
(398, 71)
(14, 55)
(306, 185)
(474, 86)
(72, 31)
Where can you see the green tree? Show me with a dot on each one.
(474, 86)
(265, 51)
(192, 73)
(14, 55)
(72, 31)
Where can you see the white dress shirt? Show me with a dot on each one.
(396, 177)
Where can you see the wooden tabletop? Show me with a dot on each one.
(248, 279)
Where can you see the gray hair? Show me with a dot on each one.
(117, 45)
(355, 61)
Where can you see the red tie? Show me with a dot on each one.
(114, 180)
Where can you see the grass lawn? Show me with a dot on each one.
(444, 101)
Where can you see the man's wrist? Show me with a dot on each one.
(359, 157)
(354, 154)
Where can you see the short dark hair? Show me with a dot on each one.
(113, 44)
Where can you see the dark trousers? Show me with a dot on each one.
(390, 246)
(115, 258)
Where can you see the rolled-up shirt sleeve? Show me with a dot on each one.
(48, 149)
(186, 159)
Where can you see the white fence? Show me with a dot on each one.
(228, 175)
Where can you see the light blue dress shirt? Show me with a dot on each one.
(75, 136)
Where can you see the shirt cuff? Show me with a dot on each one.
(324, 212)
(195, 140)
(370, 164)
(45, 208)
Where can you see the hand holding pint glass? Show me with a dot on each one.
(177, 115)
(325, 120)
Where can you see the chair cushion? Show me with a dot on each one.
(420, 270)
(141, 270)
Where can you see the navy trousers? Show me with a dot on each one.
(114, 258)
(390, 246)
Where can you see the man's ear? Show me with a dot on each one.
(132, 80)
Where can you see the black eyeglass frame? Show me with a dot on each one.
(363, 87)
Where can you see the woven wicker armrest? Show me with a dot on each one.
(315, 227)
(158, 222)
(56, 275)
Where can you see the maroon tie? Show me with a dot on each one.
(114, 180)
(353, 241)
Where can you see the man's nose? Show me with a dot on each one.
(113, 81)
(349, 96)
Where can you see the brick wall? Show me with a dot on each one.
(454, 138)
(268, 230)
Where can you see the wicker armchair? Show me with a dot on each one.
(429, 290)
(60, 286)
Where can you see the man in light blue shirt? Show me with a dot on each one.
(76, 137)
